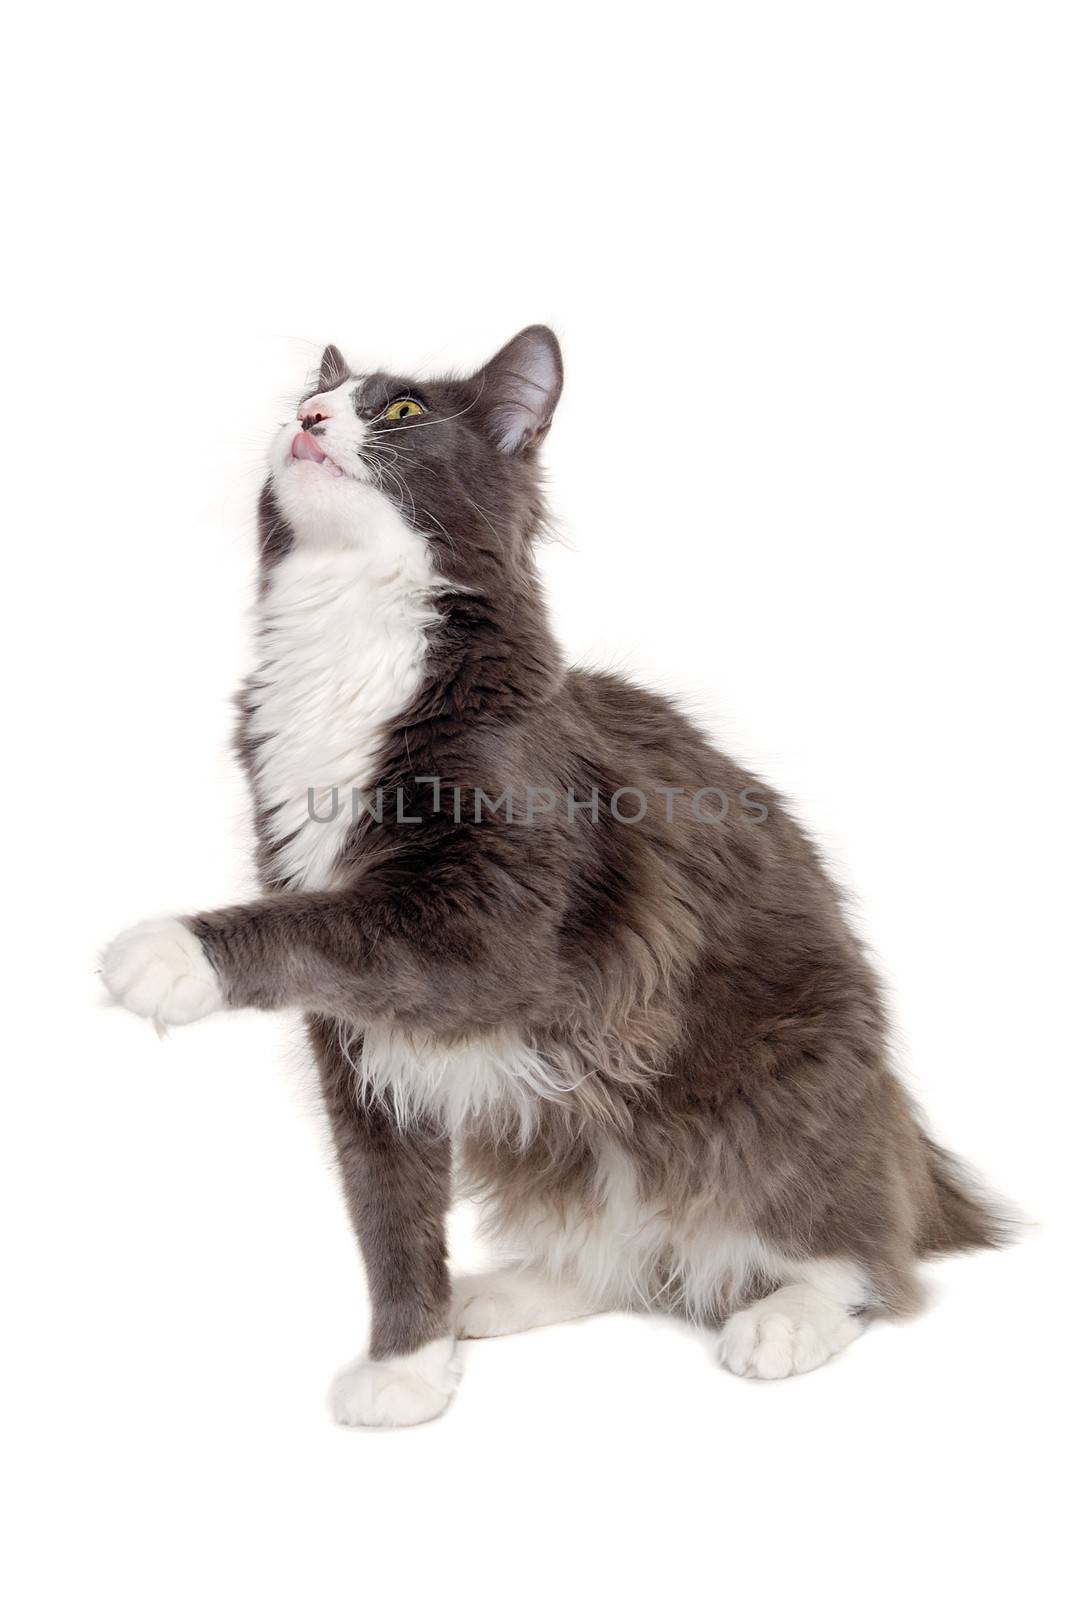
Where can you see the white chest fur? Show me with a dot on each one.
(341, 640)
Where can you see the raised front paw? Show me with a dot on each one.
(159, 970)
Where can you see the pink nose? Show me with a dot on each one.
(312, 411)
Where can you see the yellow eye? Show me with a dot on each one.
(400, 410)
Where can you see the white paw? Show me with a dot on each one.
(159, 970)
(485, 1309)
(510, 1301)
(794, 1330)
(399, 1391)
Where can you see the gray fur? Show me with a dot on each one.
(693, 991)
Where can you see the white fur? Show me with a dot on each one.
(399, 1391)
(492, 1077)
(798, 1327)
(342, 633)
(159, 970)
(494, 1303)
(628, 1249)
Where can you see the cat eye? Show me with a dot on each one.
(400, 410)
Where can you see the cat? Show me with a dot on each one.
(532, 952)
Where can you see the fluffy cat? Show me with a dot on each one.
(562, 946)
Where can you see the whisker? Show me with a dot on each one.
(494, 531)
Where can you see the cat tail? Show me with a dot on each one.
(963, 1215)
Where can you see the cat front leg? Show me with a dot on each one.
(345, 954)
(397, 1187)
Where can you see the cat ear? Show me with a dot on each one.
(520, 388)
(333, 370)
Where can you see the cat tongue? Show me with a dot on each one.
(305, 448)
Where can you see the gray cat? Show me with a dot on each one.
(545, 935)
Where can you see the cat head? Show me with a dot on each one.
(454, 458)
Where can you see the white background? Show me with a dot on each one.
(807, 263)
